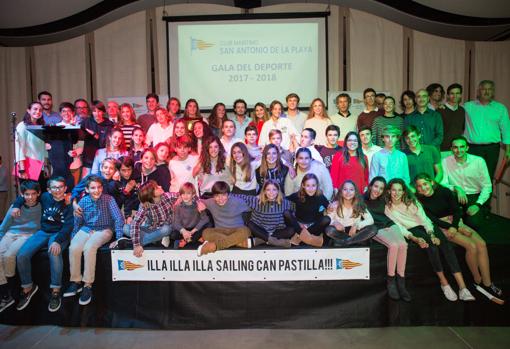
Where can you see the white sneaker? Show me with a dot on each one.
(165, 241)
(449, 293)
(465, 295)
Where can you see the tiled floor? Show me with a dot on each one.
(405, 337)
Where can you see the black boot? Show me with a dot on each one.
(401, 285)
(391, 286)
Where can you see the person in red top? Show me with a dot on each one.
(259, 115)
(350, 163)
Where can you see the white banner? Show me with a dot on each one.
(242, 265)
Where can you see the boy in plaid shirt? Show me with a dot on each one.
(92, 230)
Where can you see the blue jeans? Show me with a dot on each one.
(149, 235)
(24, 259)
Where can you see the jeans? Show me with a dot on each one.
(24, 259)
(149, 235)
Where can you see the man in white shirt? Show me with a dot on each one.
(307, 141)
(293, 113)
(368, 148)
(467, 175)
(344, 119)
(228, 139)
(487, 125)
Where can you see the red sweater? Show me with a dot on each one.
(341, 171)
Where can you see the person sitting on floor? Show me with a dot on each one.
(14, 232)
(229, 229)
(93, 229)
(188, 222)
(351, 222)
(310, 206)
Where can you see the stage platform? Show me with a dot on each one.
(289, 304)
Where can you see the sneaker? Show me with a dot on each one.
(465, 295)
(124, 243)
(73, 289)
(6, 302)
(86, 295)
(165, 241)
(495, 290)
(449, 293)
(205, 248)
(26, 297)
(55, 302)
(487, 292)
(245, 244)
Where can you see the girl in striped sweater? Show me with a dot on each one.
(271, 216)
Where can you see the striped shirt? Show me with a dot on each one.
(127, 131)
(269, 215)
(380, 123)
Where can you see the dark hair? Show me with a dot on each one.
(240, 100)
(426, 177)
(93, 178)
(389, 97)
(302, 193)
(43, 93)
(430, 88)
(409, 94)
(346, 95)
(56, 179)
(213, 118)
(312, 132)
(411, 128)
(27, 119)
(364, 128)
(380, 94)
(152, 95)
(131, 142)
(220, 187)
(367, 90)
(82, 100)
(359, 150)
(146, 191)
(127, 161)
(459, 138)
(304, 150)
(408, 197)
(372, 182)
(333, 128)
(292, 95)
(173, 99)
(205, 158)
(65, 105)
(30, 185)
(207, 134)
(99, 105)
(250, 128)
(452, 86)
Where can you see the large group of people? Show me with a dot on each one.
(278, 176)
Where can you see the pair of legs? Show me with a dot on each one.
(477, 256)
(392, 238)
(280, 234)
(342, 238)
(176, 235)
(224, 238)
(150, 235)
(433, 253)
(24, 260)
(9, 247)
(86, 243)
(311, 233)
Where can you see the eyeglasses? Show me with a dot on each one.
(60, 187)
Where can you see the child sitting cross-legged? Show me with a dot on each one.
(14, 231)
(227, 212)
(189, 222)
(271, 216)
(100, 215)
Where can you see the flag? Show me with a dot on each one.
(346, 264)
(127, 265)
